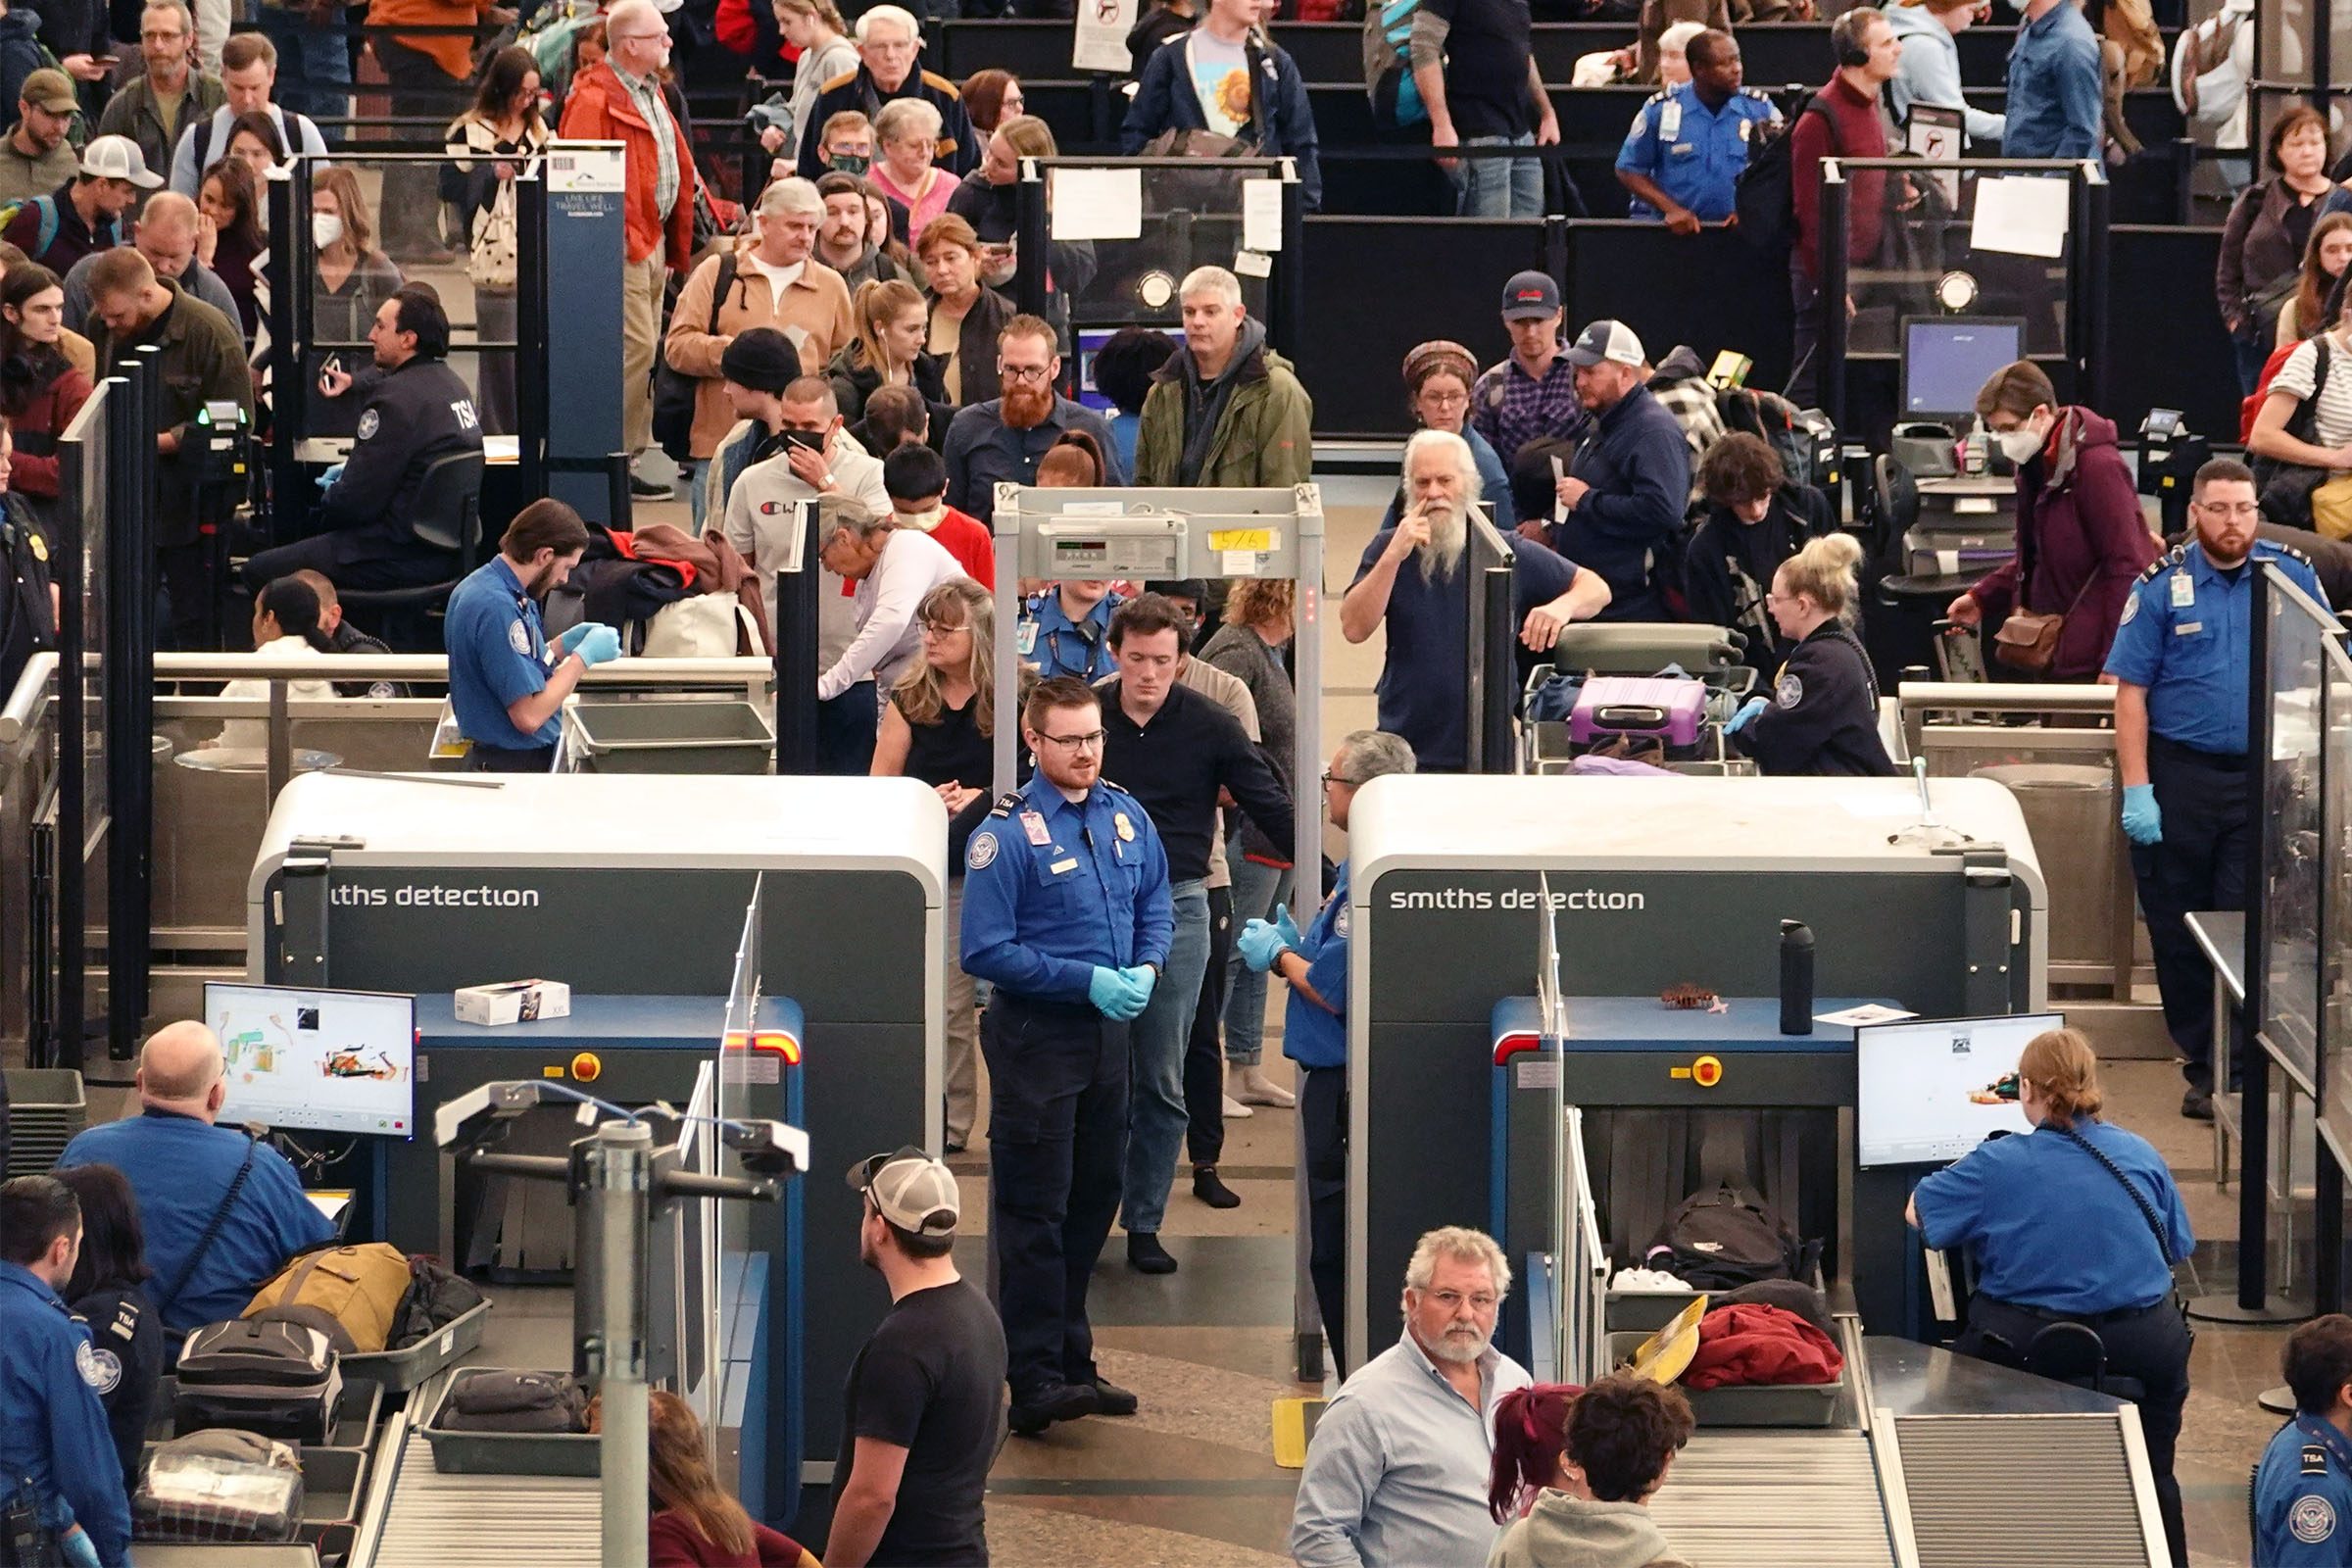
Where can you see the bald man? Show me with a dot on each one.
(165, 234)
(195, 1180)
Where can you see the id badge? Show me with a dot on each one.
(2184, 590)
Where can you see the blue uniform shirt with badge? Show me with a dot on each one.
(1310, 1036)
(2086, 1252)
(1692, 153)
(1056, 645)
(2303, 1497)
(2188, 637)
(53, 1431)
(1055, 888)
(498, 653)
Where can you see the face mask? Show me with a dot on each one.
(2020, 446)
(849, 163)
(325, 229)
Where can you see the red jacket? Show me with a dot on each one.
(1753, 1344)
(38, 425)
(1839, 123)
(2079, 526)
(599, 108)
(969, 540)
(676, 1544)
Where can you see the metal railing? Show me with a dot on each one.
(1583, 1272)
(27, 769)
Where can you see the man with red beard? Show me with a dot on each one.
(1000, 440)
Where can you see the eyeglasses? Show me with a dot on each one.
(2229, 509)
(942, 628)
(1330, 778)
(644, 37)
(1483, 1303)
(1026, 372)
(1091, 741)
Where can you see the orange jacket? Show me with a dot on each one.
(455, 55)
(599, 108)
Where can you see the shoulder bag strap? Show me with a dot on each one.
(212, 1233)
(2139, 1200)
(726, 281)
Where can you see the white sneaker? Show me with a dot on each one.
(1235, 1110)
(1257, 1089)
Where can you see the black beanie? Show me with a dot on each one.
(762, 358)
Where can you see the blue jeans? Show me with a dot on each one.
(1499, 187)
(691, 473)
(1155, 1113)
(1257, 889)
(314, 67)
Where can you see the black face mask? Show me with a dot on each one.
(850, 163)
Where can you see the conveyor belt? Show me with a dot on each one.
(1980, 1494)
(438, 1521)
(1743, 1499)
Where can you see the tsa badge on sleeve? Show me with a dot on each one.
(2130, 608)
(519, 638)
(85, 1362)
(2313, 1520)
(983, 852)
(370, 423)
(1792, 691)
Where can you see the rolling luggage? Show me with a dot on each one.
(1653, 707)
(215, 1486)
(278, 1380)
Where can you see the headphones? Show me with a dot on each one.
(1847, 40)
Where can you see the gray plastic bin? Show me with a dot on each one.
(46, 1109)
(675, 736)
(2071, 809)
(355, 1414)
(1792, 1405)
(397, 1371)
(511, 1453)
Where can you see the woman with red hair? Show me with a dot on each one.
(1531, 1449)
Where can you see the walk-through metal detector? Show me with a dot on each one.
(1156, 534)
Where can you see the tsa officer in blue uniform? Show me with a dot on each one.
(2303, 1487)
(1683, 156)
(2076, 1221)
(506, 684)
(54, 1443)
(1313, 963)
(1067, 631)
(2179, 661)
(1066, 913)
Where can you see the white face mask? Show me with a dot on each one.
(2021, 445)
(325, 229)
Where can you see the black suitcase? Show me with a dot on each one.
(280, 1380)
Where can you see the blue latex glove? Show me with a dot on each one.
(1142, 981)
(1746, 714)
(571, 639)
(1286, 925)
(1111, 994)
(327, 480)
(81, 1550)
(598, 645)
(2143, 823)
(1259, 945)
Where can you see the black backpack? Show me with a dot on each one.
(28, 625)
(1725, 1238)
(1765, 196)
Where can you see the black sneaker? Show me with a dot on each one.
(1213, 1192)
(2197, 1104)
(1111, 1399)
(1145, 1255)
(1056, 1401)
(645, 489)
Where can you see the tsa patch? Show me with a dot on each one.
(519, 638)
(2130, 608)
(371, 423)
(85, 1362)
(983, 852)
(1790, 693)
(1338, 923)
(2313, 1520)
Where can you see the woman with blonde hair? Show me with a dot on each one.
(815, 29)
(2075, 1221)
(696, 1524)
(1821, 715)
(891, 323)
(940, 726)
(350, 280)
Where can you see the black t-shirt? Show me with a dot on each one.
(1488, 44)
(931, 1381)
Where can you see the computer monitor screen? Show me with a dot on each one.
(1949, 358)
(1927, 1093)
(309, 1060)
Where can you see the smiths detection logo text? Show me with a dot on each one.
(435, 897)
(1582, 898)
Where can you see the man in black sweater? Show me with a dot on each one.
(1174, 751)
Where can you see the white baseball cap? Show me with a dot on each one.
(910, 1189)
(1607, 340)
(117, 157)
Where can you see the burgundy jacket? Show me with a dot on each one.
(2081, 543)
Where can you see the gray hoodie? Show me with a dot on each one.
(1565, 1532)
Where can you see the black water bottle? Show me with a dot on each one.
(1796, 978)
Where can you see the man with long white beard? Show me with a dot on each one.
(1398, 1469)
(1411, 579)
(1002, 439)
